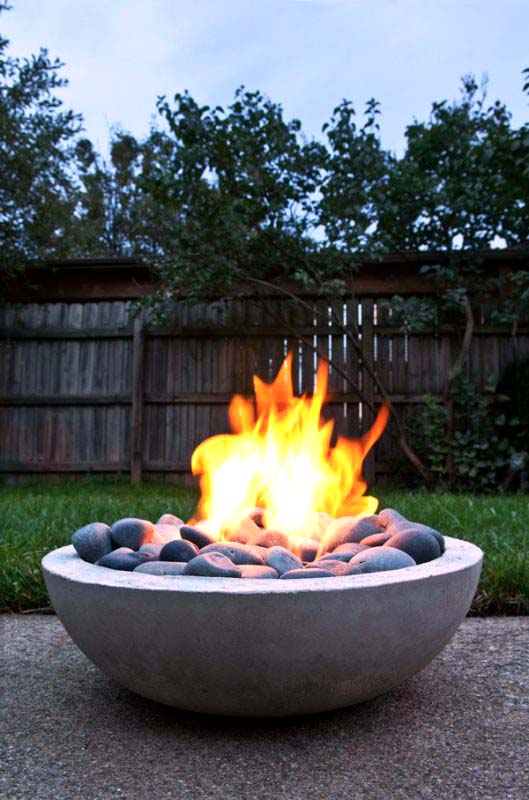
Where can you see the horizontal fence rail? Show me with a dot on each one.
(86, 387)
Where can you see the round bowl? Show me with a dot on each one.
(262, 647)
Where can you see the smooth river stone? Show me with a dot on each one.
(388, 516)
(212, 565)
(179, 550)
(347, 551)
(170, 519)
(200, 538)
(307, 549)
(376, 539)
(237, 553)
(270, 538)
(93, 541)
(124, 559)
(132, 532)
(404, 527)
(335, 566)
(243, 532)
(165, 533)
(257, 571)
(161, 568)
(422, 547)
(153, 549)
(381, 559)
(257, 516)
(349, 530)
(282, 560)
(307, 572)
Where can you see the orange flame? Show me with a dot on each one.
(281, 459)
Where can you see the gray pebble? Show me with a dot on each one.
(422, 547)
(282, 559)
(308, 549)
(132, 532)
(194, 535)
(347, 551)
(152, 548)
(349, 530)
(93, 541)
(381, 559)
(256, 515)
(418, 528)
(179, 550)
(388, 516)
(376, 539)
(270, 538)
(165, 533)
(307, 572)
(162, 568)
(170, 519)
(257, 571)
(124, 559)
(212, 565)
(338, 568)
(237, 553)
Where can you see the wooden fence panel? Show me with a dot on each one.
(75, 399)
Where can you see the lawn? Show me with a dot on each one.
(35, 519)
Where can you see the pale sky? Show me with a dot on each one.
(307, 54)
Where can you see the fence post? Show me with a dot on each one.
(368, 348)
(136, 464)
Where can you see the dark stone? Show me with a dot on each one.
(282, 560)
(349, 530)
(237, 553)
(93, 541)
(124, 559)
(161, 568)
(376, 539)
(308, 549)
(170, 519)
(165, 533)
(270, 538)
(197, 537)
(347, 551)
(178, 550)
(381, 559)
(407, 526)
(131, 532)
(337, 567)
(152, 548)
(240, 537)
(212, 565)
(422, 547)
(307, 572)
(388, 516)
(257, 571)
(256, 515)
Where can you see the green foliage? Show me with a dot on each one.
(37, 188)
(487, 442)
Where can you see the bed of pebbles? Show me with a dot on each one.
(343, 546)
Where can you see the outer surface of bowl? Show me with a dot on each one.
(260, 647)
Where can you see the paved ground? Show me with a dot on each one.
(459, 730)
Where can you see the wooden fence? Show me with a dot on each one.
(86, 387)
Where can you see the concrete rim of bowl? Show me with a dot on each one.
(65, 563)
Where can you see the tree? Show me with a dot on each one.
(256, 204)
(37, 187)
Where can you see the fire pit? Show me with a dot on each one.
(286, 594)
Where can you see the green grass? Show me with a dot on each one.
(36, 519)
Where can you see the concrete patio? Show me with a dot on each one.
(457, 730)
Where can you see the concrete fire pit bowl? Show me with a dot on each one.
(260, 647)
